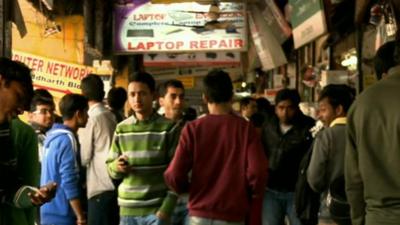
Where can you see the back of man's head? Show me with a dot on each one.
(384, 59)
(245, 102)
(116, 98)
(16, 71)
(218, 87)
(288, 94)
(338, 94)
(41, 97)
(92, 87)
(163, 87)
(145, 78)
(70, 104)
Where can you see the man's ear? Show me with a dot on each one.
(161, 101)
(339, 111)
(204, 97)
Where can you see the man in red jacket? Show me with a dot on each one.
(225, 156)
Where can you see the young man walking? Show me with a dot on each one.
(224, 154)
(141, 151)
(172, 100)
(327, 160)
(18, 155)
(95, 140)
(60, 164)
(286, 139)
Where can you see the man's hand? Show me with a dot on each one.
(43, 194)
(122, 164)
(163, 216)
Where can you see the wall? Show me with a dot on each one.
(66, 45)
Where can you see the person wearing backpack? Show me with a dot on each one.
(326, 168)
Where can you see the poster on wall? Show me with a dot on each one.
(308, 21)
(140, 26)
(191, 59)
(58, 77)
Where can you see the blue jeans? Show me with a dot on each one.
(180, 215)
(103, 209)
(141, 220)
(194, 220)
(276, 206)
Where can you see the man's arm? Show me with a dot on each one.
(77, 208)
(316, 172)
(354, 183)
(257, 164)
(115, 160)
(86, 138)
(177, 174)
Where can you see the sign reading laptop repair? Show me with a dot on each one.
(140, 26)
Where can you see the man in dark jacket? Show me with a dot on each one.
(286, 139)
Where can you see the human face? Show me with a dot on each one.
(173, 103)
(42, 116)
(11, 99)
(326, 112)
(286, 110)
(140, 99)
(250, 109)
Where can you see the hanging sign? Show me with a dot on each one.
(308, 21)
(141, 26)
(58, 77)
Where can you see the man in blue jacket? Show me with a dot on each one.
(60, 164)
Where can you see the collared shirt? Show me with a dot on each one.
(339, 120)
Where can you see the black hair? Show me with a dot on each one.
(288, 94)
(257, 119)
(384, 58)
(16, 71)
(246, 101)
(92, 87)
(71, 103)
(116, 98)
(218, 87)
(263, 105)
(189, 114)
(163, 87)
(145, 78)
(41, 97)
(338, 94)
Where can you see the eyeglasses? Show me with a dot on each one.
(44, 111)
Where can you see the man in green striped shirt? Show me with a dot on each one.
(142, 148)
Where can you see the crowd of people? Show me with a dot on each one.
(261, 165)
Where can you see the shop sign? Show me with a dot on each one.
(188, 82)
(58, 77)
(144, 27)
(192, 59)
(308, 21)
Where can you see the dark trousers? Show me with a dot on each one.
(103, 209)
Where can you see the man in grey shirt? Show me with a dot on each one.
(95, 140)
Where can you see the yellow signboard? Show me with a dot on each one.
(188, 82)
(58, 77)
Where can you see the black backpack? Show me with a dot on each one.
(307, 201)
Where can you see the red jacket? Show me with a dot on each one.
(227, 163)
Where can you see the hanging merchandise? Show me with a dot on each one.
(308, 21)
(268, 48)
(276, 21)
(390, 20)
